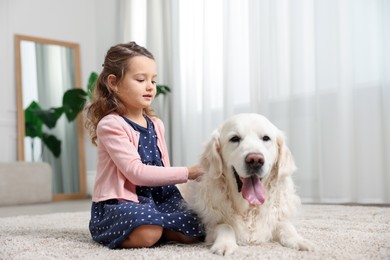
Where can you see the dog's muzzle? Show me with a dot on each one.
(251, 186)
(253, 163)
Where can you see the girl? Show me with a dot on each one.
(135, 202)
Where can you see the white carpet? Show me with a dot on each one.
(340, 232)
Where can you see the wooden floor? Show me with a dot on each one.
(46, 208)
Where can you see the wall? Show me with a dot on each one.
(91, 23)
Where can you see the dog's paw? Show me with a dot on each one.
(225, 247)
(299, 244)
(306, 245)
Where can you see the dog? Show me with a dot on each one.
(246, 195)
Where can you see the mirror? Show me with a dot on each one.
(45, 69)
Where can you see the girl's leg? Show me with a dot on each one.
(143, 236)
(170, 235)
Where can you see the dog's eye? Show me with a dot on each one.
(235, 139)
(266, 138)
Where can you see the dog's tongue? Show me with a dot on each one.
(253, 190)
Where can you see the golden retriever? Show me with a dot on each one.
(246, 195)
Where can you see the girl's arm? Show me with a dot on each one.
(122, 154)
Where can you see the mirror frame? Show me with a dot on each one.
(20, 110)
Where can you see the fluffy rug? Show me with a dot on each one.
(340, 232)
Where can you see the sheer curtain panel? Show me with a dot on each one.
(320, 70)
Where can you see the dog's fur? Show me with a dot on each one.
(246, 145)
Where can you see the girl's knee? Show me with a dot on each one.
(150, 236)
(143, 236)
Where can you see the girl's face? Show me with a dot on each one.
(138, 86)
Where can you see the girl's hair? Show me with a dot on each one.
(106, 101)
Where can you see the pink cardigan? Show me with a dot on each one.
(119, 167)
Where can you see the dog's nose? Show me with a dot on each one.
(255, 159)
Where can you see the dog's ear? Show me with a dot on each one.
(211, 160)
(285, 164)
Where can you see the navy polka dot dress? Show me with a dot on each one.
(112, 221)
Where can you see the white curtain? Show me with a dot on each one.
(319, 70)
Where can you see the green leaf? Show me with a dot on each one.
(49, 117)
(162, 89)
(91, 84)
(33, 124)
(52, 143)
(73, 102)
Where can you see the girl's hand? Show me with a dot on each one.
(194, 172)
